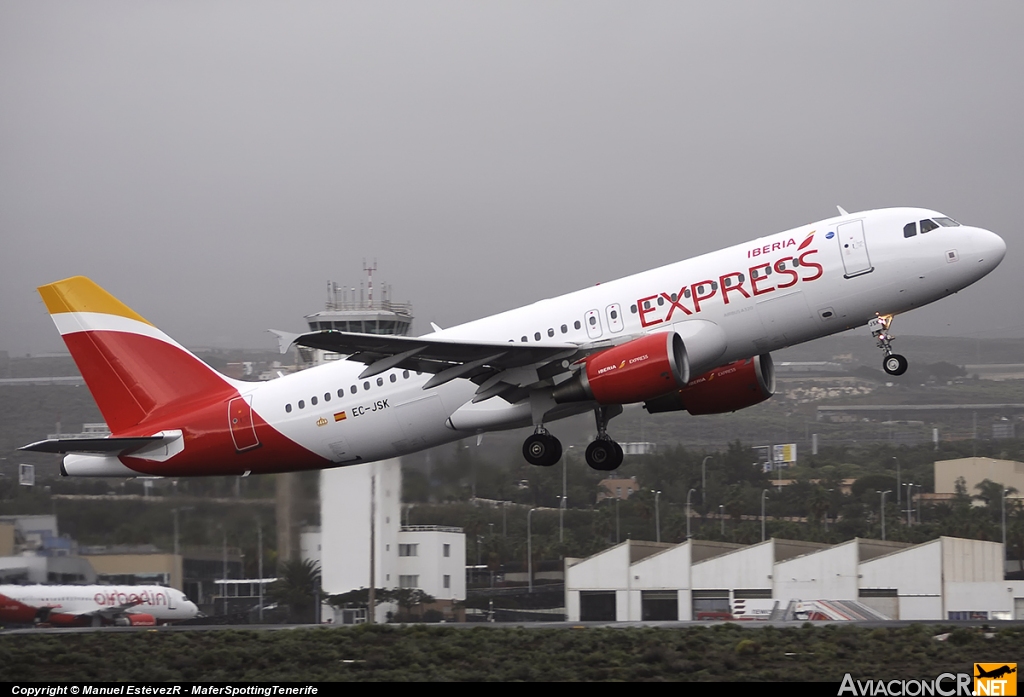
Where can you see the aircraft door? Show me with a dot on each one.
(614, 315)
(243, 431)
(854, 249)
(593, 321)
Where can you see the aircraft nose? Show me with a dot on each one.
(990, 247)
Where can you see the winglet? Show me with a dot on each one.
(284, 339)
(435, 327)
(841, 211)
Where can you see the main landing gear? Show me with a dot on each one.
(893, 363)
(604, 454)
(542, 448)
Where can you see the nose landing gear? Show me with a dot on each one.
(893, 363)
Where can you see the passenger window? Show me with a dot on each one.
(405, 374)
(366, 385)
(910, 229)
(632, 308)
(380, 381)
(288, 408)
(565, 329)
(341, 392)
(593, 321)
(536, 336)
(352, 389)
(927, 226)
(661, 301)
(393, 377)
(523, 339)
(327, 396)
(312, 401)
(551, 332)
(577, 324)
(302, 404)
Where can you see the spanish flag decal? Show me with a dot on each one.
(340, 416)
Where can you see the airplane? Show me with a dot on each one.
(94, 606)
(694, 336)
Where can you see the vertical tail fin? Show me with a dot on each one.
(133, 370)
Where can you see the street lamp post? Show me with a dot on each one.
(688, 511)
(721, 517)
(764, 494)
(883, 493)
(529, 548)
(897, 482)
(1003, 516)
(561, 516)
(259, 543)
(704, 481)
(657, 518)
(910, 503)
(616, 520)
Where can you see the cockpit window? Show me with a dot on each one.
(910, 229)
(947, 222)
(928, 226)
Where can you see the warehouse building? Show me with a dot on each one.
(944, 579)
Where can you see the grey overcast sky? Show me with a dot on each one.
(215, 163)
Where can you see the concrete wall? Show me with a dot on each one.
(345, 525)
(827, 574)
(750, 567)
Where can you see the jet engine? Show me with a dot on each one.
(136, 619)
(632, 372)
(727, 388)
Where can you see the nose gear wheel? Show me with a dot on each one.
(893, 363)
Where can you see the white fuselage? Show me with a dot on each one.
(849, 269)
(163, 603)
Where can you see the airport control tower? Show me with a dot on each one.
(349, 309)
(356, 310)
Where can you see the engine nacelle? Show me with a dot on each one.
(727, 388)
(632, 372)
(136, 619)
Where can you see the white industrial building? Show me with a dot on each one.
(428, 557)
(947, 578)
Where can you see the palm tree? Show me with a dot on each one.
(298, 587)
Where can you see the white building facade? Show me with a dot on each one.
(430, 558)
(944, 579)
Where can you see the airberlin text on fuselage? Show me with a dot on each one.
(756, 281)
(143, 598)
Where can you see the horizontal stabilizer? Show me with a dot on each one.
(120, 446)
(284, 339)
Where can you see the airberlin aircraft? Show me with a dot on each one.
(96, 606)
(692, 336)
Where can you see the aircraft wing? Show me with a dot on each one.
(119, 446)
(504, 369)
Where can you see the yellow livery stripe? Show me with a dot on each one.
(80, 294)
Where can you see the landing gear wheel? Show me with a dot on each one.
(604, 455)
(542, 449)
(895, 364)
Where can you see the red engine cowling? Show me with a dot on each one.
(136, 619)
(727, 388)
(632, 372)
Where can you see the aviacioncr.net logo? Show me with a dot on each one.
(946, 685)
